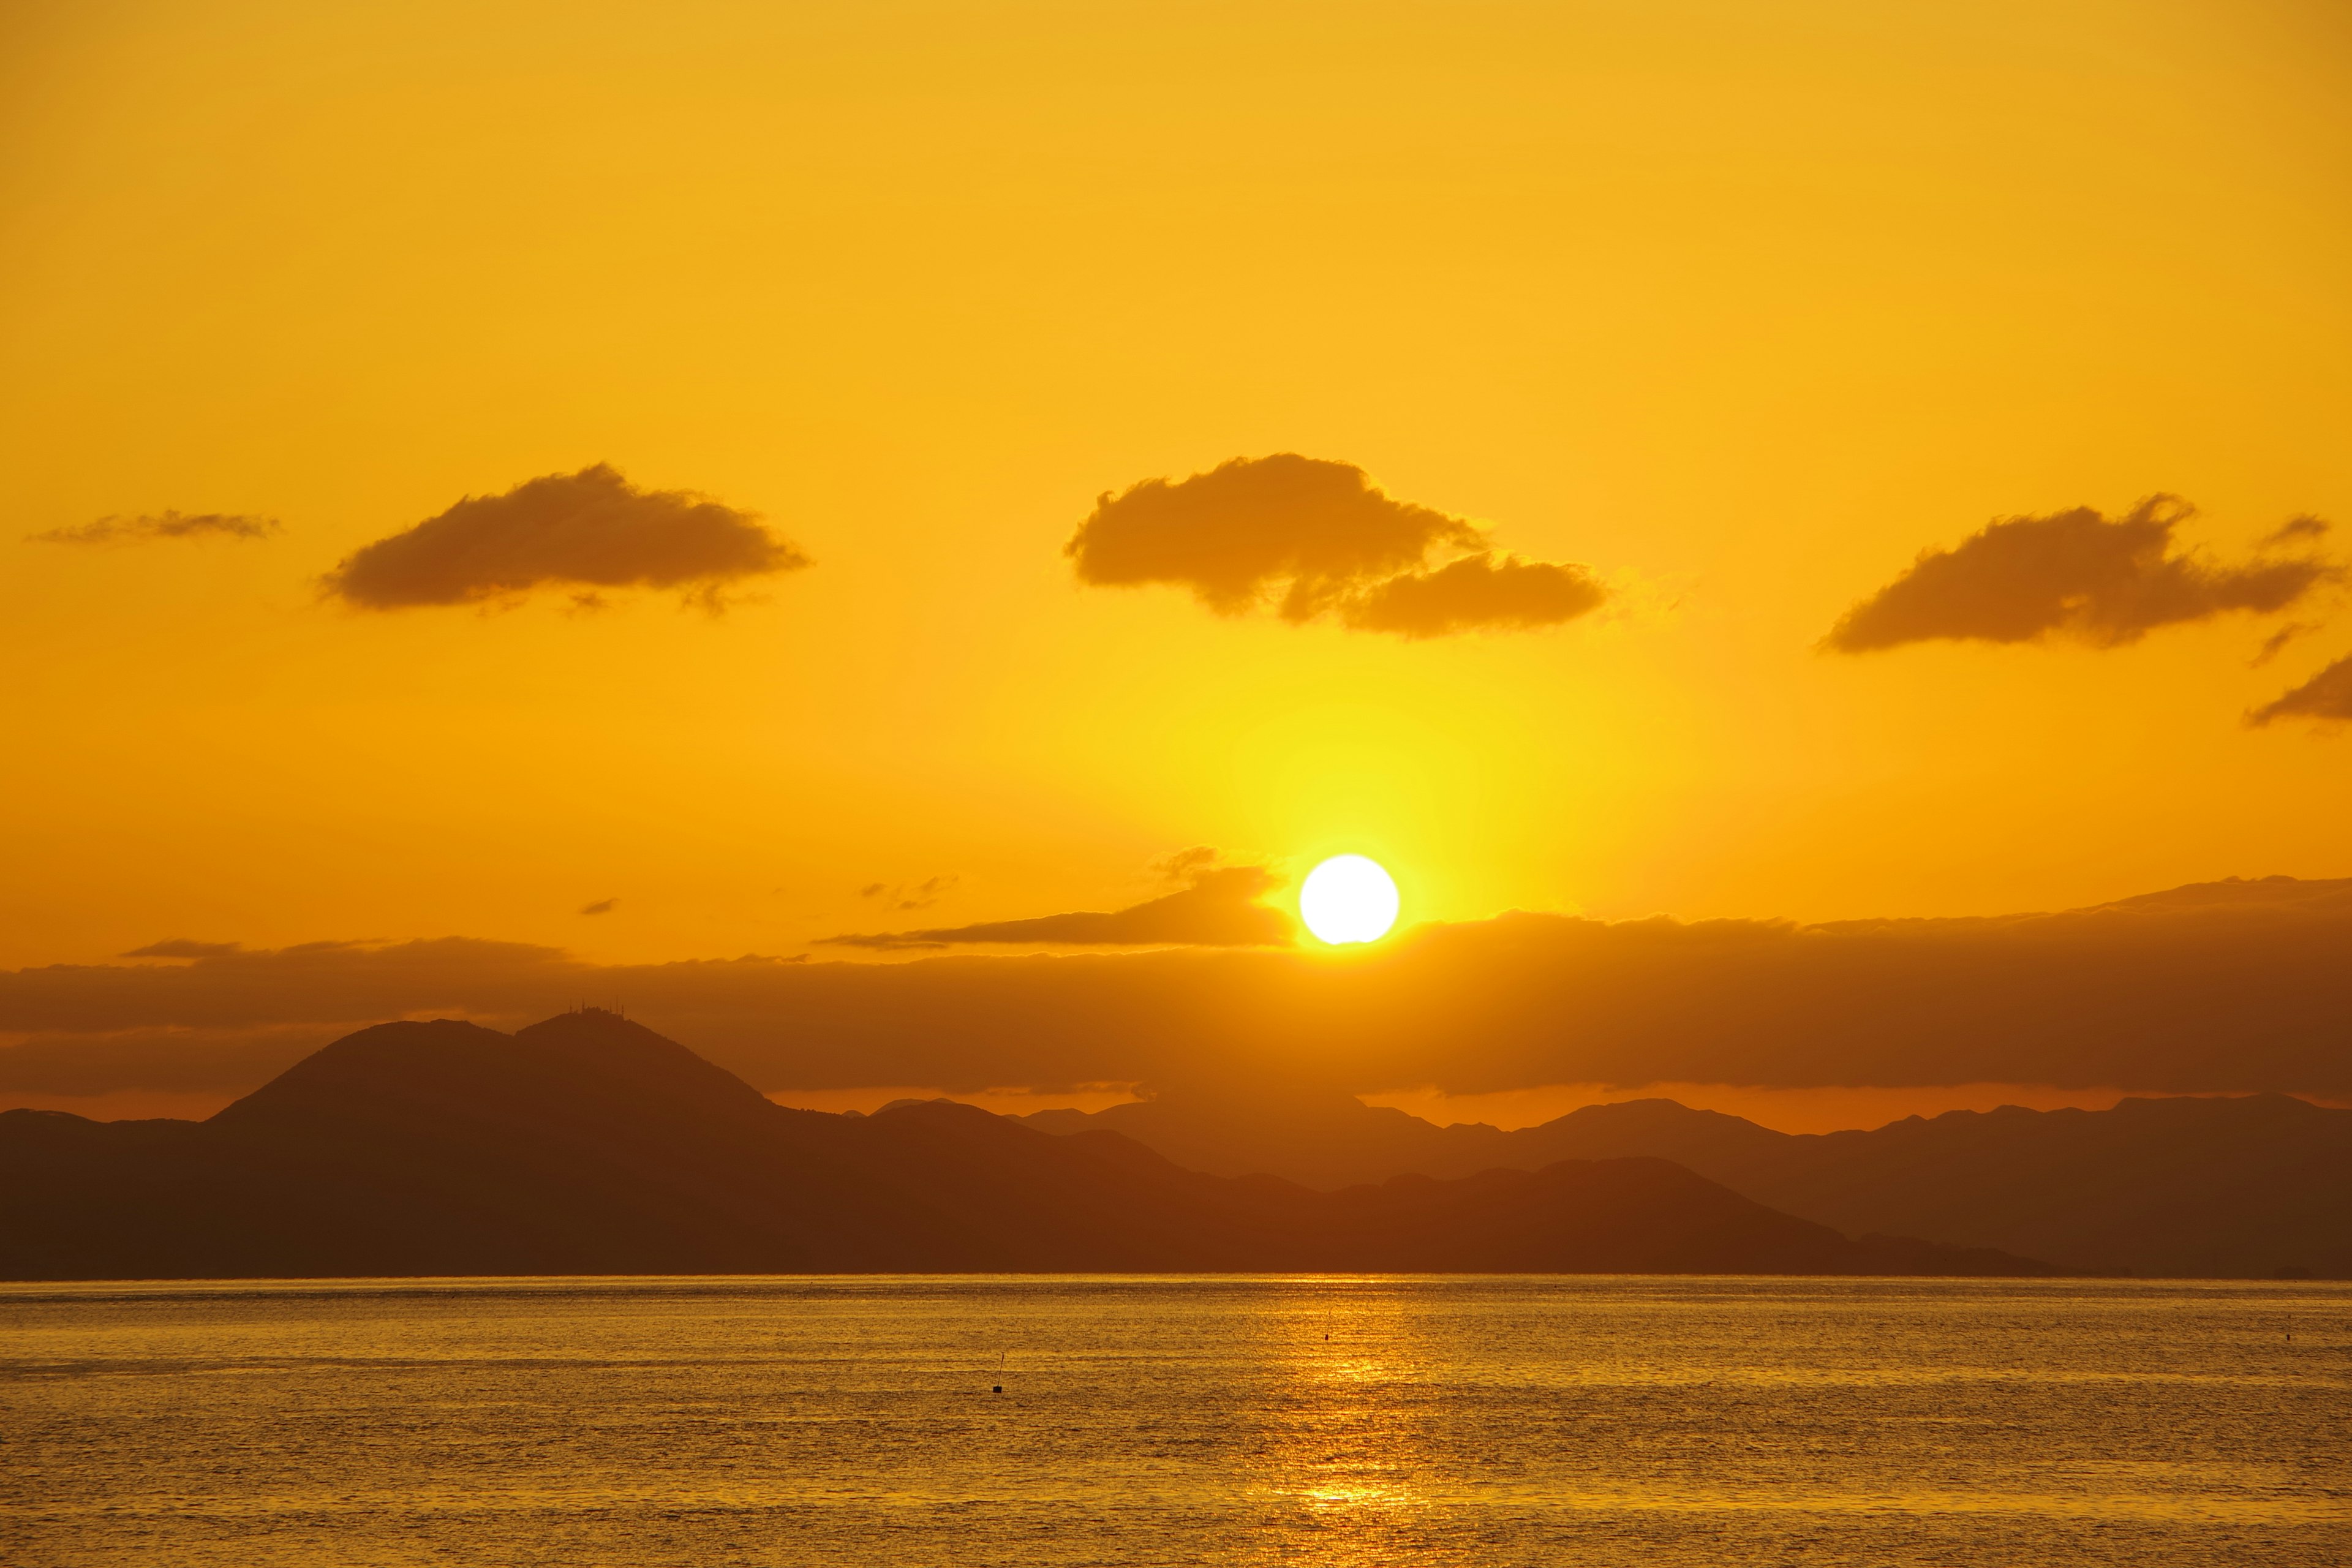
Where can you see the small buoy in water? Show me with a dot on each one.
(998, 1389)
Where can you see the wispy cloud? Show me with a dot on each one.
(600, 907)
(162, 525)
(1318, 538)
(182, 947)
(2105, 582)
(920, 895)
(2326, 696)
(577, 531)
(1217, 907)
(2306, 530)
(2276, 643)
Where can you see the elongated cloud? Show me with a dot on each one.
(2078, 574)
(183, 947)
(1220, 907)
(920, 895)
(1316, 538)
(161, 525)
(1476, 591)
(586, 530)
(2296, 531)
(2327, 696)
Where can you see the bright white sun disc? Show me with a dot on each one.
(1347, 899)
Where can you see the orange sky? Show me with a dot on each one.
(1738, 306)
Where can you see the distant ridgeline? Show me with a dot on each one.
(2247, 1187)
(588, 1145)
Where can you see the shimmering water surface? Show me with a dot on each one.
(1224, 1420)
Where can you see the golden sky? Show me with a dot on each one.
(1737, 307)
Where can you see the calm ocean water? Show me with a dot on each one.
(1149, 1420)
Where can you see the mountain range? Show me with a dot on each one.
(2246, 1186)
(588, 1145)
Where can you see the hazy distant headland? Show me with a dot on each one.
(2243, 1186)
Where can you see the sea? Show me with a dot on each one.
(1142, 1420)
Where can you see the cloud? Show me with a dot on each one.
(165, 1060)
(2073, 573)
(1318, 538)
(2276, 642)
(2303, 529)
(600, 907)
(586, 530)
(920, 895)
(181, 947)
(1475, 592)
(1180, 869)
(2326, 696)
(1218, 907)
(161, 525)
(2225, 987)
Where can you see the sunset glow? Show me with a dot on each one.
(896, 782)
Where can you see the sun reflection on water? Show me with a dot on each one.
(1349, 1452)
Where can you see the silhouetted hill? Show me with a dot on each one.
(588, 1145)
(1323, 1138)
(2240, 1186)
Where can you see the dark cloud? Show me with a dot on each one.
(588, 530)
(1218, 907)
(1316, 538)
(920, 895)
(229, 986)
(2326, 696)
(161, 525)
(1475, 592)
(2228, 987)
(2275, 643)
(600, 907)
(1180, 869)
(2073, 573)
(2296, 531)
(181, 947)
(171, 1061)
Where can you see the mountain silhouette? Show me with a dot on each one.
(2242, 1187)
(589, 1144)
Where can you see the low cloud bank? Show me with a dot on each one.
(1319, 538)
(2076, 575)
(2226, 987)
(586, 530)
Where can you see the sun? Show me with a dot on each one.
(1349, 899)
